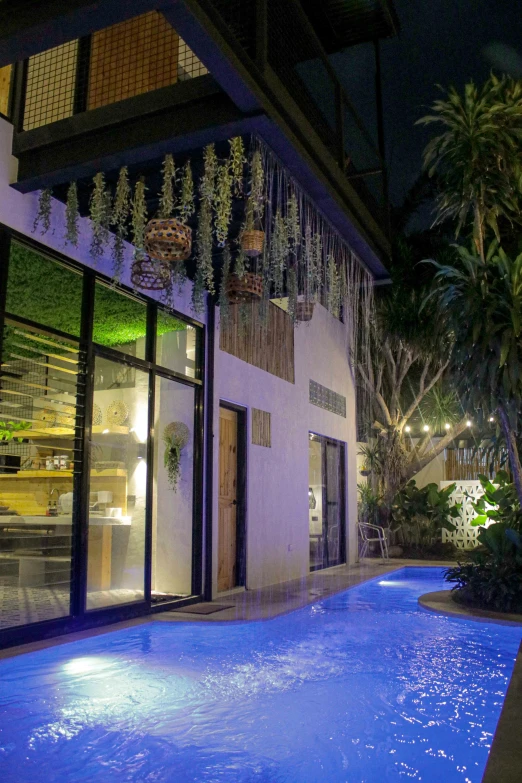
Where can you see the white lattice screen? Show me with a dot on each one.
(465, 536)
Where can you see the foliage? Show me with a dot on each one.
(481, 300)
(422, 513)
(279, 250)
(491, 576)
(223, 202)
(488, 583)
(441, 406)
(139, 219)
(72, 215)
(167, 187)
(205, 272)
(255, 205)
(333, 299)
(44, 210)
(172, 458)
(237, 163)
(478, 156)
(186, 206)
(224, 303)
(100, 214)
(8, 430)
(119, 218)
(368, 504)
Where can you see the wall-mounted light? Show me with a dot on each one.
(312, 502)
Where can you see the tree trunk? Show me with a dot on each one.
(511, 444)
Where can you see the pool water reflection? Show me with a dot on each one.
(362, 687)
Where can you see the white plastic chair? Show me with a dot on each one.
(369, 535)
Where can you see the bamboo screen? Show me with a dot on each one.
(261, 428)
(466, 464)
(264, 343)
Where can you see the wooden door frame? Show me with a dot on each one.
(241, 488)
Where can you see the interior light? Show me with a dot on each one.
(407, 428)
(105, 432)
(426, 428)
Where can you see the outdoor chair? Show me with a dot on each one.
(372, 534)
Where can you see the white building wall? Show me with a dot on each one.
(277, 525)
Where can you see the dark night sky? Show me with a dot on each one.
(441, 41)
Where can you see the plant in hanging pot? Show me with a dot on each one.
(175, 437)
(252, 235)
(120, 215)
(167, 238)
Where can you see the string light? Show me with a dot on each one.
(447, 426)
(426, 428)
(491, 418)
(407, 428)
(468, 423)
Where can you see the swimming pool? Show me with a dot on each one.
(362, 687)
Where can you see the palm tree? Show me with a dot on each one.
(478, 156)
(481, 298)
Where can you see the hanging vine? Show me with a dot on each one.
(205, 276)
(255, 205)
(224, 303)
(100, 214)
(333, 300)
(186, 207)
(279, 253)
(44, 211)
(222, 202)
(293, 225)
(139, 219)
(120, 216)
(166, 206)
(237, 164)
(72, 215)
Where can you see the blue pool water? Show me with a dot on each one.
(363, 687)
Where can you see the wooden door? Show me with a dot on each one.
(227, 525)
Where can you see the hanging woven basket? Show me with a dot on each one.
(150, 275)
(168, 239)
(304, 311)
(177, 432)
(247, 288)
(252, 242)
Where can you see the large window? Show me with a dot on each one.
(96, 503)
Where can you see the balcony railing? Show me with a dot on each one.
(277, 36)
(128, 59)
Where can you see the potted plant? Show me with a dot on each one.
(167, 238)
(252, 235)
(175, 437)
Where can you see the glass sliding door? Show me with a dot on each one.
(118, 484)
(41, 401)
(326, 501)
(172, 522)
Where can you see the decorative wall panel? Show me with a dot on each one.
(327, 399)
(465, 536)
(261, 428)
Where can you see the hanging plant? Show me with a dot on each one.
(120, 216)
(175, 437)
(223, 202)
(224, 302)
(166, 206)
(198, 292)
(240, 264)
(334, 289)
(317, 265)
(44, 210)
(252, 234)
(139, 219)
(237, 163)
(293, 225)
(279, 253)
(100, 214)
(204, 231)
(72, 215)
(186, 207)
(291, 286)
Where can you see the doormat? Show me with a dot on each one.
(205, 608)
